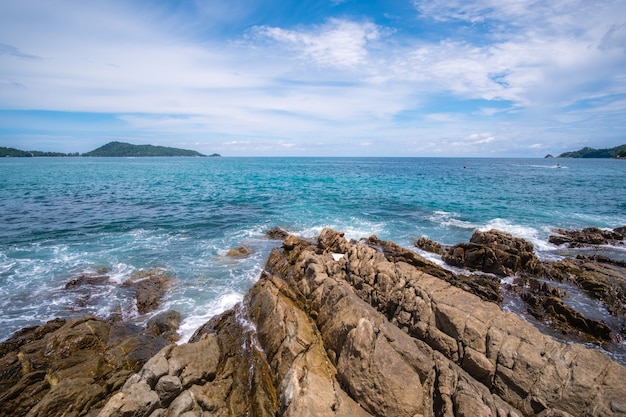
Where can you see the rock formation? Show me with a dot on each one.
(588, 236)
(343, 328)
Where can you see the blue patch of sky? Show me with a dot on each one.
(43, 120)
(443, 104)
(594, 102)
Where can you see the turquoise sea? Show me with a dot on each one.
(63, 217)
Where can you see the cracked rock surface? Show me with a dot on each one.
(366, 335)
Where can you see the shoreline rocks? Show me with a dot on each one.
(332, 328)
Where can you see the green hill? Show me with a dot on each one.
(126, 149)
(616, 152)
(4, 152)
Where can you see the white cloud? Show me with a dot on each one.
(546, 66)
(337, 43)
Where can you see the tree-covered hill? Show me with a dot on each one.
(4, 152)
(616, 152)
(127, 149)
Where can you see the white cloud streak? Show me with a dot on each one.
(532, 66)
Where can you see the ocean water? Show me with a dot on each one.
(63, 217)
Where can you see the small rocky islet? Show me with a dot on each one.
(348, 328)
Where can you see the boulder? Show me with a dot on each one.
(150, 286)
(495, 252)
(588, 236)
(276, 233)
(239, 252)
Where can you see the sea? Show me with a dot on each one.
(62, 218)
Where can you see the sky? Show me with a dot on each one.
(484, 78)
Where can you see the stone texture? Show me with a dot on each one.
(363, 334)
(69, 368)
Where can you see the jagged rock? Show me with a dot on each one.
(430, 245)
(150, 286)
(69, 367)
(588, 236)
(276, 233)
(546, 304)
(485, 286)
(363, 334)
(165, 324)
(495, 252)
(600, 277)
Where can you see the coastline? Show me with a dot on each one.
(371, 268)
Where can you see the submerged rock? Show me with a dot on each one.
(239, 252)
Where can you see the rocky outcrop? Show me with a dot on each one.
(70, 367)
(149, 286)
(495, 252)
(343, 328)
(359, 335)
(502, 254)
(588, 236)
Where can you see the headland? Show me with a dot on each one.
(347, 328)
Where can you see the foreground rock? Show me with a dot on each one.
(70, 367)
(332, 328)
(360, 335)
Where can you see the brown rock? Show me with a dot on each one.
(588, 236)
(70, 367)
(495, 252)
(239, 252)
(276, 233)
(150, 286)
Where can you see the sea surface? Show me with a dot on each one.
(63, 217)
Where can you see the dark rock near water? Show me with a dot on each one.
(430, 246)
(150, 286)
(70, 367)
(588, 236)
(332, 328)
(495, 252)
(276, 233)
(504, 255)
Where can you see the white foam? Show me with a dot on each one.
(527, 233)
(448, 219)
(190, 324)
(121, 272)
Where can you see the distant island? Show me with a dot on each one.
(618, 152)
(111, 149)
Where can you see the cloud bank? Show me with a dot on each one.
(420, 78)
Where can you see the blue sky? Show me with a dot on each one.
(516, 78)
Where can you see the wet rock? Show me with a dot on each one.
(546, 304)
(150, 286)
(70, 367)
(239, 252)
(165, 324)
(88, 279)
(588, 236)
(276, 233)
(430, 245)
(599, 277)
